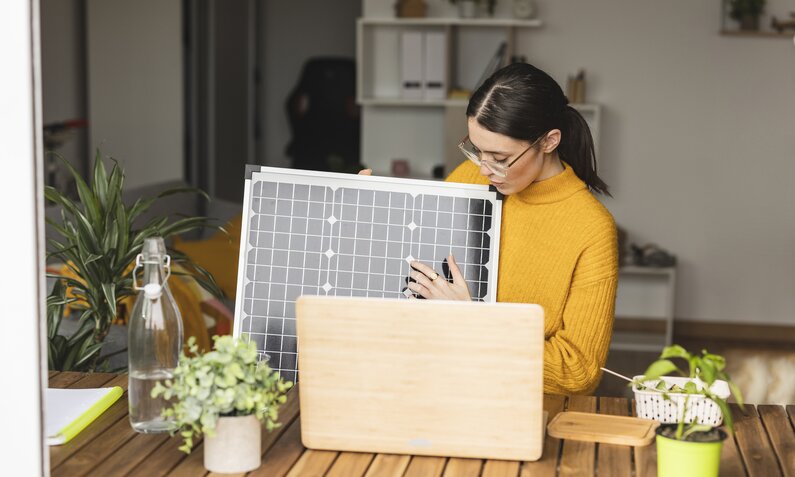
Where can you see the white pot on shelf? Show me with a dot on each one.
(235, 447)
(524, 9)
(467, 8)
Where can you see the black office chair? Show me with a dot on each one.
(324, 117)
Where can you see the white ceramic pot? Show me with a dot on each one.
(467, 8)
(235, 447)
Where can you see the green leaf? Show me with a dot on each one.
(674, 351)
(110, 295)
(728, 419)
(692, 428)
(735, 390)
(707, 371)
(100, 182)
(184, 190)
(661, 367)
(87, 197)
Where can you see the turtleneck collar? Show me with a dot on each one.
(554, 189)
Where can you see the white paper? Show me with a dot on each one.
(63, 406)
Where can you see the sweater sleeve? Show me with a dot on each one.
(574, 354)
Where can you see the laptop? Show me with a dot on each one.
(421, 377)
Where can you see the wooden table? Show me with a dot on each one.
(763, 445)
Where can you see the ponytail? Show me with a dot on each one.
(577, 149)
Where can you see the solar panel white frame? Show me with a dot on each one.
(322, 204)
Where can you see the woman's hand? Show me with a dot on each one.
(366, 172)
(431, 285)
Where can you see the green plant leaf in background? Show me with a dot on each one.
(99, 239)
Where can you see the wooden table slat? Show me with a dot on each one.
(129, 455)
(424, 466)
(548, 464)
(81, 463)
(161, 460)
(352, 464)
(781, 434)
(645, 457)
(64, 380)
(611, 459)
(754, 445)
(731, 463)
(791, 413)
(313, 463)
(500, 468)
(191, 465)
(280, 458)
(51, 373)
(386, 465)
(94, 380)
(116, 412)
(578, 457)
(462, 467)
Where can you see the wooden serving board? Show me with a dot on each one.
(585, 426)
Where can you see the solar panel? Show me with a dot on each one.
(307, 232)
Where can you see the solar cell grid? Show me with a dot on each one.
(346, 235)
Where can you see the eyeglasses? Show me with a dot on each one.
(498, 168)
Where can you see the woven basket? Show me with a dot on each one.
(652, 405)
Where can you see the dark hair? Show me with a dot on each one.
(523, 102)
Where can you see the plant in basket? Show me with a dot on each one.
(690, 406)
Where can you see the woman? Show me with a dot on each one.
(558, 243)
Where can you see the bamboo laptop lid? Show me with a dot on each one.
(421, 377)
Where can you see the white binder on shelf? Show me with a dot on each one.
(435, 65)
(411, 64)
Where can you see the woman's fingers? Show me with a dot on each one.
(420, 289)
(458, 277)
(366, 172)
(425, 269)
(459, 287)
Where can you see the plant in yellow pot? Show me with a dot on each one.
(226, 395)
(690, 407)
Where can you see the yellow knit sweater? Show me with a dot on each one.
(558, 248)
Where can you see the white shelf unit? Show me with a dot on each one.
(645, 293)
(426, 132)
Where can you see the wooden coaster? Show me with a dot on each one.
(584, 426)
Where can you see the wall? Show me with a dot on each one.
(135, 86)
(63, 71)
(292, 32)
(698, 141)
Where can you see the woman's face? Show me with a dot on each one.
(537, 163)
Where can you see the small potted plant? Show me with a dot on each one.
(690, 407)
(225, 394)
(746, 12)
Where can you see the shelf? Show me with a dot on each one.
(478, 22)
(635, 341)
(757, 34)
(656, 271)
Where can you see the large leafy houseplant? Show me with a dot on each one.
(99, 238)
(228, 386)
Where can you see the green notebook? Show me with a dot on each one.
(69, 411)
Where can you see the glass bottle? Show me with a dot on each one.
(154, 338)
